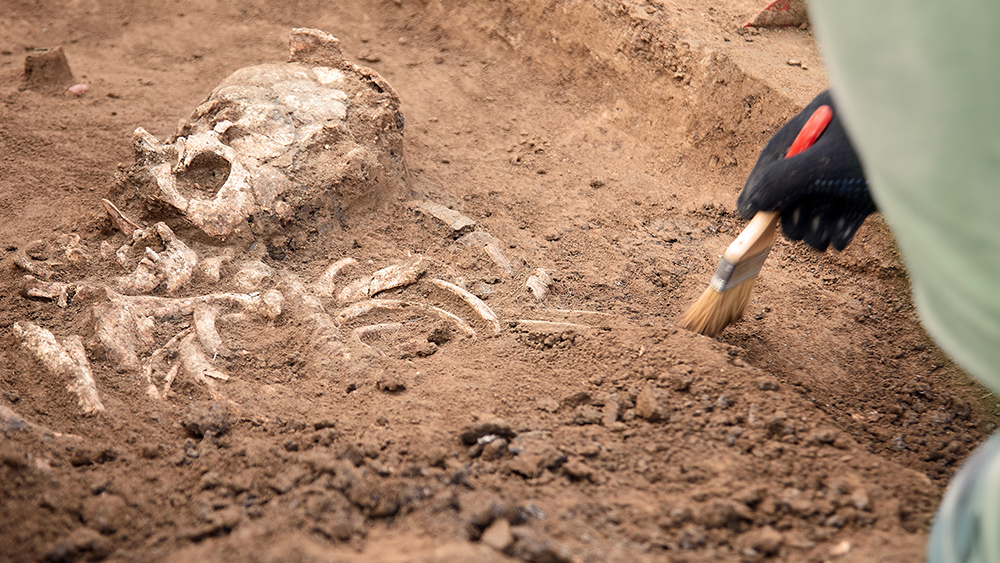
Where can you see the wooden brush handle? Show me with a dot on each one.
(759, 233)
(757, 236)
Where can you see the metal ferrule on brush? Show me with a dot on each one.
(730, 274)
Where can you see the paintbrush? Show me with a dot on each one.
(729, 292)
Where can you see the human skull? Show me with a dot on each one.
(277, 143)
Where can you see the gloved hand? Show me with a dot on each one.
(822, 192)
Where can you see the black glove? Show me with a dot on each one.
(821, 192)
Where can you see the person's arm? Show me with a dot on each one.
(916, 84)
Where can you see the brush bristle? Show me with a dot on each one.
(715, 310)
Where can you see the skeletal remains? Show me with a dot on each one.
(273, 147)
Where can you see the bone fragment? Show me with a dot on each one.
(364, 307)
(252, 275)
(476, 303)
(324, 285)
(35, 267)
(169, 379)
(118, 219)
(538, 284)
(204, 324)
(67, 360)
(457, 223)
(172, 267)
(54, 291)
(489, 244)
(312, 46)
(156, 355)
(391, 277)
(210, 269)
(195, 363)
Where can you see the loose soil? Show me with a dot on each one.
(604, 142)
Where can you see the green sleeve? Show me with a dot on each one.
(917, 83)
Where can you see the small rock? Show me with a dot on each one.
(547, 404)
(764, 541)
(252, 276)
(390, 383)
(577, 470)
(207, 418)
(538, 284)
(498, 536)
(531, 546)
(679, 382)
(860, 500)
(105, 513)
(494, 449)
(534, 453)
(81, 543)
(586, 414)
(610, 412)
(767, 384)
(841, 549)
(650, 404)
(48, 70)
(417, 348)
(471, 434)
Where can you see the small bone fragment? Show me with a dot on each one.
(391, 277)
(365, 307)
(324, 285)
(67, 360)
(172, 267)
(70, 247)
(195, 363)
(457, 223)
(538, 283)
(55, 291)
(162, 351)
(118, 219)
(208, 334)
(169, 379)
(476, 303)
(210, 269)
(489, 244)
(315, 47)
(252, 275)
(34, 267)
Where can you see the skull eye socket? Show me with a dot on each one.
(205, 176)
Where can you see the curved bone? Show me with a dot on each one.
(364, 307)
(324, 285)
(476, 303)
(208, 334)
(387, 278)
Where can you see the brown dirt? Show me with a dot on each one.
(603, 141)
